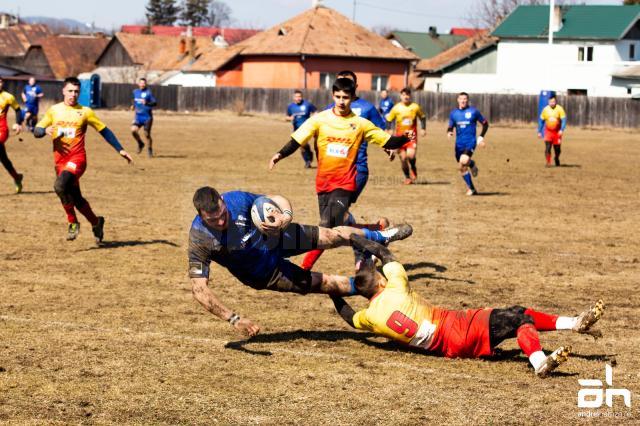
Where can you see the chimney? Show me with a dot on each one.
(433, 32)
(556, 20)
(316, 3)
(182, 46)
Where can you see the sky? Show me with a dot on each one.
(410, 15)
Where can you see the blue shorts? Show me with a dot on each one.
(145, 122)
(361, 182)
(32, 109)
(463, 150)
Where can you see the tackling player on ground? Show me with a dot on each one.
(223, 232)
(406, 115)
(66, 123)
(298, 112)
(143, 103)
(397, 312)
(463, 120)
(7, 100)
(31, 95)
(551, 125)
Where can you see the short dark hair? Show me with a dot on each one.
(350, 74)
(295, 92)
(142, 79)
(463, 94)
(206, 199)
(345, 85)
(553, 97)
(71, 80)
(365, 280)
(406, 90)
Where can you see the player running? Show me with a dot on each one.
(298, 112)
(143, 103)
(551, 124)
(406, 115)
(223, 232)
(339, 134)
(398, 313)
(385, 105)
(67, 123)
(7, 100)
(464, 120)
(31, 95)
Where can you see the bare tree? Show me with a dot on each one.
(489, 13)
(219, 14)
(383, 30)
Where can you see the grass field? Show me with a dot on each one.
(113, 335)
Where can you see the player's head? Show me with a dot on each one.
(71, 90)
(32, 81)
(142, 83)
(211, 208)
(343, 90)
(405, 95)
(384, 94)
(297, 96)
(463, 100)
(350, 75)
(368, 281)
(553, 101)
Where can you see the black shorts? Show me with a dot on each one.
(333, 206)
(298, 239)
(291, 278)
(504, 323)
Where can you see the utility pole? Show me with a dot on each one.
(354, 11)
(551, 23)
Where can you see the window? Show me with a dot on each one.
(585, 54)
(577, 92)
(632, 52)
(326, 80)
(379, 82)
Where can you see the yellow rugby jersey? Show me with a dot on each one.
(70, 128)
(552, 117)
(7, 100)
(337, 141)
(406, 117)
(397, 312)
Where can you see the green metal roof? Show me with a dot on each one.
(578, 22)
(425, 46)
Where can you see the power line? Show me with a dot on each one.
(404, 12)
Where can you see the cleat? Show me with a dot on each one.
(150, 152)
(471, 192)
(408, 181)
(413, 176)
(557, 161)
(140, 147)
(474, 170)
(307, 164)
(396, 233)
(74, 230)
(589, 317)
(98, 230)
(553, 361)
(18, 183)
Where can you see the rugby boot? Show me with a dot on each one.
(589, 317)
(74, 230)
(553, 361)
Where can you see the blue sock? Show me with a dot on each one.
(307, 156)
(350, 220)
(352, 281)
(374, 236)
(469, 182)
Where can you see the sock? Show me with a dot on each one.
(542, 321)
(548, 157)
(471, 164)
(71, 213)
(468, 181)
(412, 162)
(376, 236)
(353, 291)
(528, 339)
(566, 323)
(306, 155)
(350, 220)
(405, 170)
(86, 211)
(311, 258)
(537, 359)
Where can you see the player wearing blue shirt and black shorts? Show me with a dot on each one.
(298, 112)
(224, 233)
(31, 95)
(385, 105)
(143, 103)
(464, 119)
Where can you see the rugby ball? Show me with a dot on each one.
(261, 210)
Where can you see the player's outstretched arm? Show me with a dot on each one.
(19, 119)
(396, 142)
(378, 250)
(344, 309)
(111, 139)
(203, 294)
(286, 151)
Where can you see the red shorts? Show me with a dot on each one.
(466, 334)
(4, 132)
(409, 145)
(75, 164)
(552, 136)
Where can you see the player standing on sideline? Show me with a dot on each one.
(7, 100)
(339, 134)
(464, 120)
(406, 115)
(223, 232)
(66, 123)
(552, 123)
(298, 112)
(143, 103)
(398, 313)
(31, 95)
(385, 105)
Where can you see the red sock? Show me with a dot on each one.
(548, 157)
(542, 321)
(311, 258)
(14, 174)
(86, 211)
(528, 339)
(71, 213)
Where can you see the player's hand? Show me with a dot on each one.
(539, 135)
(247, 327)
(275, 222)
(410, 134)
(449, 135)
(481, 143)
(50, 130)
(559, 132)
(124, 154)
(17, 128)
(277, 157)
(391, 153)
(131, 108)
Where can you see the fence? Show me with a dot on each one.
(582, 110)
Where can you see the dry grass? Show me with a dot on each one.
(112, 335)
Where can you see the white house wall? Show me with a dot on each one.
(191, 79)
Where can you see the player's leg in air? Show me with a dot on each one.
(67, 186)
(404, 164)
(147, 135)
(547, 152)
(467, 168)
(135, 132)
(6, 162)
(411, 159)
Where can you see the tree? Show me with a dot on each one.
(219, 14)
(489, 13)
(630, 2)
(195, 12)
(162, 12)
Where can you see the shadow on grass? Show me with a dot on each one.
(425, 182)
(118, 244)
(28, 193)
(431, 275)
(491, 194)
(169, 156)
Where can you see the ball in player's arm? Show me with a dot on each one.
(223, 232)
(397, 312)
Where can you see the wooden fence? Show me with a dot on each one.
(582, 110)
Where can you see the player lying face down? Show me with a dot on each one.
(397, 312)
(223, 232)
